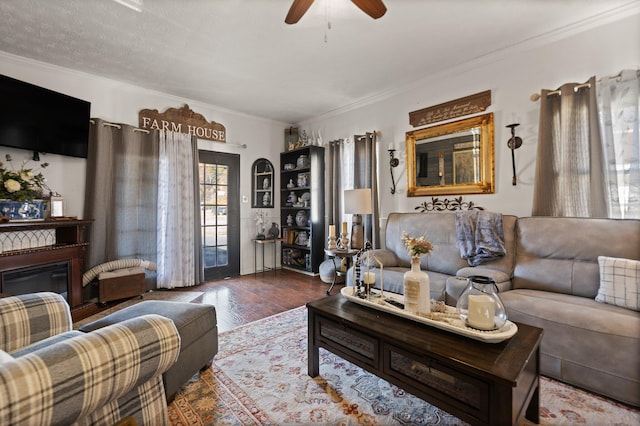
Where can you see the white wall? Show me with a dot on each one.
(120, 103)
(512, 77)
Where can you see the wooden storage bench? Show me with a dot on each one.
(121, 284)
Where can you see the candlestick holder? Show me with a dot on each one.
(514, 143)
(343, 242)
(331, 244)
(393, 162)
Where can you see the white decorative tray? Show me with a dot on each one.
(449, 320)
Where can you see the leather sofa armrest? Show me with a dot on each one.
(29, 318)
(87, 372)
(453, 290)
(386, 257)
(502, 280)
(456, 285)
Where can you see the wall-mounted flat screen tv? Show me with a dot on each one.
(41, 120)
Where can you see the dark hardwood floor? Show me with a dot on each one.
(246, 298)
(243, 299)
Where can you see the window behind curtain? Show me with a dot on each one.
(618, 110)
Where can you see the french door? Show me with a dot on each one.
(219, 184)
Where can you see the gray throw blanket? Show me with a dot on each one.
(480, 236)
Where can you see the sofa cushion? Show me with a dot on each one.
(46, 343)
(560, 254)
(440, 230)
(386, 257)
(394, 281)
(619, 280)
(585, 343)
(456, 285)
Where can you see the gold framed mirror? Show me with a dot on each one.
(452, 158)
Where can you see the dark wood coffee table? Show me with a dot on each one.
(481, 383)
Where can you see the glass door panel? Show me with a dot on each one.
(219, 199)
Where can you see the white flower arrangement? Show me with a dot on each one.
(417, 246)
(21, 184)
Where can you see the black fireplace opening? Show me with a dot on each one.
(53, 277)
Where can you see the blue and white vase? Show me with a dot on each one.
(24, 210)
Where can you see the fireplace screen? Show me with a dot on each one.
(52, 277)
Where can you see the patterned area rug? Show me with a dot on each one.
(259, 377)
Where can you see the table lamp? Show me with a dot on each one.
(357, 202)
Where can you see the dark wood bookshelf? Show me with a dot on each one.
(305, 180)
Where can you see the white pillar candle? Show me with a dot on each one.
(369, 278)
(332, 231)
(344, 227)
(481, 312)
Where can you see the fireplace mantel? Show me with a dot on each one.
(70, 246)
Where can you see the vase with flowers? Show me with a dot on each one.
(417, 299)
(22, 191)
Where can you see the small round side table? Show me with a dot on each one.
(341, 254)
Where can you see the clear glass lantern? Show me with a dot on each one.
(479, 306)
(371, 275)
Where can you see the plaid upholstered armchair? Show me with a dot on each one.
(50, 374)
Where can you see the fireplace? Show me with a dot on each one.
(55, 266)
(52, 277)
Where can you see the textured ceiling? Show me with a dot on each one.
(240, 55)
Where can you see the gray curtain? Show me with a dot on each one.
(569, 173)
(121, 193)
(354, 170)
(335, 182)
(366, 176)
(122, 196)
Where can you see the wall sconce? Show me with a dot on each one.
(393, 162)
(514, 143)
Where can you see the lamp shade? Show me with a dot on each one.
(357, 201)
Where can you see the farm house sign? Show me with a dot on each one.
(182, 120)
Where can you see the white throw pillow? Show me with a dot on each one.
(4, 357)
(619, 282)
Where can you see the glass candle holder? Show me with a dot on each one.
(479, 306)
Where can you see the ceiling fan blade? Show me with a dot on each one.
(373, 8)
(297, 9)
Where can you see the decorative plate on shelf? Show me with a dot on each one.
(306, 196)
(449, 320)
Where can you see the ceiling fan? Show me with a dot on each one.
(373, 8)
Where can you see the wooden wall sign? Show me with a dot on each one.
(452, 109)
(182, 120)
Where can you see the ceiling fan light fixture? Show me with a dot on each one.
(297, 10)
(374, 8)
